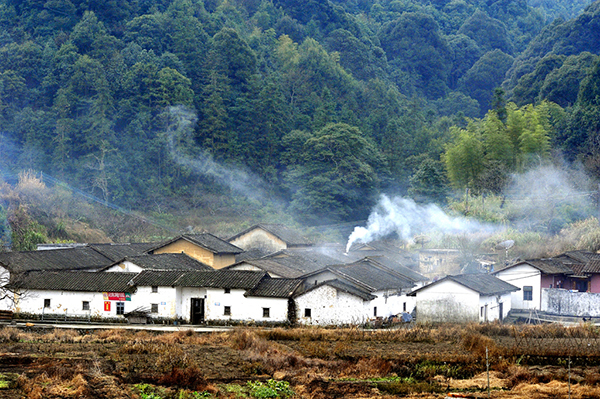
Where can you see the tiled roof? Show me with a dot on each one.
(157, 278)
(305, 260)
(593, 266)
(547, 266)
(239, 279)
(117, 252)
(398, 268)
(205, 240)
(373, 275)
(270, 266)
(275, 288)
(252, 254)
(484, 284)
(341, 286)
(77, 281)
(179, 261)
(286, 234)
(79, 258)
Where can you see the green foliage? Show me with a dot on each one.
(270, 389)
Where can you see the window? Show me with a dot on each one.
(85, 305)
(227, 311)
(154, 308)
(228, 290)
(46, 303)
(266, 312)
(375, 311)
(307, 312)
(404, 307)
(154, 288)
(528, 293)
(481, 311)
(120, 307)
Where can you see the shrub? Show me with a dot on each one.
(272, 389)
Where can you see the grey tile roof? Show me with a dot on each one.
(286, 234)
(79, 258)
(178, 261)
(157, 278)
(270, 266)
(593, 266)
(341, 286)
(399, 268)
(239, 279)
(373, 275)
(547, 266)
(117, 252)
(252, 254)
(484, 284)
(304, 260)
(204, 240)
(275, 288)
(77, 281)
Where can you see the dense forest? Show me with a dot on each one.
(306, 108)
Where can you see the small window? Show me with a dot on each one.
(228, 290)
(375, 311)
(307, 312)
(528, 293)
(85, 305)
(154, 288)
(46, 303)
(120, 307)
(154, 308)
(266, 312)
(481, 311)
(227, 311)
(404, 307)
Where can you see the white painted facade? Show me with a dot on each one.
(164, 298)
(521, 276)
(241, 308)
(70, 303)
(329, 306)
(390, 303)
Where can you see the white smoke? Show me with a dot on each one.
(406, 218)
(181, 126)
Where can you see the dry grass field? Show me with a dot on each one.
(413, 362)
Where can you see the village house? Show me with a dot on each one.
(464, 298)
(269, 238)
(205, 247)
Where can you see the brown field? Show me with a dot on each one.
(412, 362)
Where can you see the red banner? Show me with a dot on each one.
(107, 306)
(117, 296)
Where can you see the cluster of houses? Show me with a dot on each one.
(270, 273)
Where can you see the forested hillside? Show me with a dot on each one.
(307, 107)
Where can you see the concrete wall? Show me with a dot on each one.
(331, 307)
(69, 302)
(489, 307)
(392, 303)
(447, 301)
(217, 261)
(521, 276)
(568, 303)
(259, 238)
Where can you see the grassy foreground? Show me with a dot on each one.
(416, 362)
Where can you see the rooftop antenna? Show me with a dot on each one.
(422, 239)
(505, 245)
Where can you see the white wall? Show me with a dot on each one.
(126, 266)
(491, 307)
(165, 298)
(391, 303)
(7, 303)
(242, 308)
(331, 307)
(520, 276)
(447, 301)
(70, 302)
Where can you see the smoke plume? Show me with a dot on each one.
(182, 121)
(406, 218)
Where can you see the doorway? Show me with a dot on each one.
(197, 311)
(501, 312)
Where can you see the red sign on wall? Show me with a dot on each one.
(117, 296)
(107, 306)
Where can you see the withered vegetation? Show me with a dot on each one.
(425, 361)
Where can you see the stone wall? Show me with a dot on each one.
(567, 303)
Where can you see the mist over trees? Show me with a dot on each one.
(330, 103)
